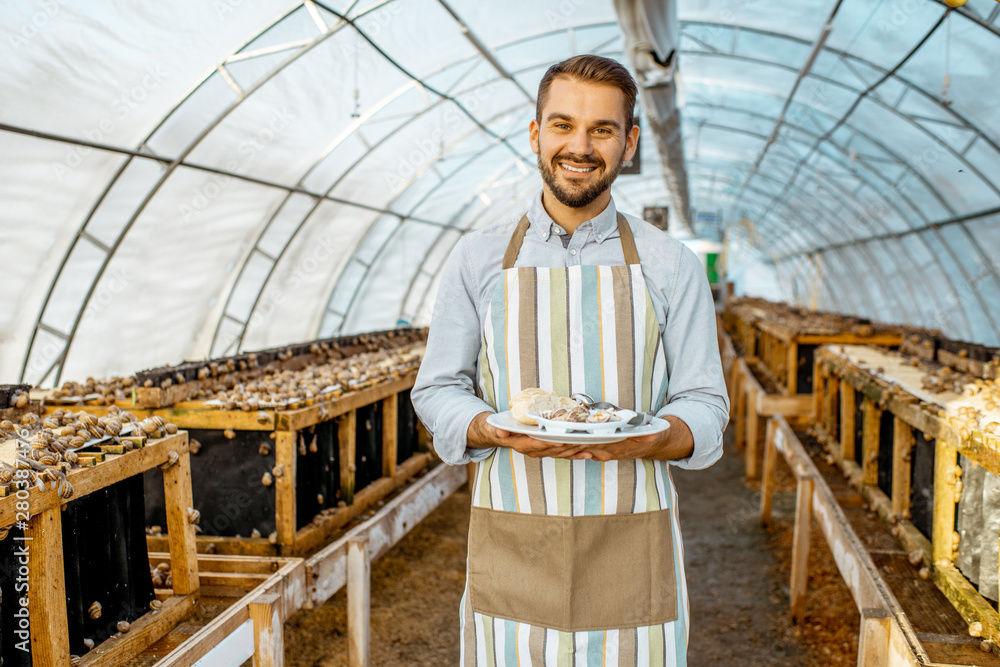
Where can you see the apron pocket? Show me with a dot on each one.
(580, 573)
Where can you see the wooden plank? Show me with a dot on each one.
(87, 480)
(873, 644)
(290, 420)
(232, 546)
(768, 405)
(227, 563)
(847, 426)
(41, 554)
(390, 434)
(767, 482)
(285, 518)
(819, 394)
(870, 439)
(347, 438)
(831, 412)
(121, 649)
(800, 547)
(203, 641)
(902, 448)
(315, 534)
(178, 501)
(219, 420)
(268, 639)
(358, 603)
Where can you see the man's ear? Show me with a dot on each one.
(631, 142)
(533, 136)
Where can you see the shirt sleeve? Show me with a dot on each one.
(696, 387)
(444, 393)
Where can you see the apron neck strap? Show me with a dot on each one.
(517, 238)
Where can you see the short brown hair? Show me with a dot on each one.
(595, 69)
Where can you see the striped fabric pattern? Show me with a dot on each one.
(588, 329)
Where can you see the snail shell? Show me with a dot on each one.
(194, 447)
(159, 421)
(22, 400)
(193, 515)
(229, 433)
(264, 449)
(123, 626)
(273, 538)
(170, 428)
(267, 479)
(6, 425)
(155, 604)
(95, 610)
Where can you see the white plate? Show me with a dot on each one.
(506, 421)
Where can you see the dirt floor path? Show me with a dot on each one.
(737, 578)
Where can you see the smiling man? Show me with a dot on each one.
(574, 549)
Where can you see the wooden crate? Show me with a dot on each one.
(284, 431)
(47, 599)
(888, 393)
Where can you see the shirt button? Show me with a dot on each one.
(598, 237)
(572, 252)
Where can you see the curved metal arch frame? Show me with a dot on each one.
(385, 243)
(179, 161)
(935, 138)
(842, 150)
(432, 277)
(171, 167)
(449, 96)
(873, 265)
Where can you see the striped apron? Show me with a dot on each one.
(573, 562)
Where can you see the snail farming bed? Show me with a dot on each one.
(83, 560)
(907, 452)
(294, 476)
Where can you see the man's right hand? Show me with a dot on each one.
(481, 435)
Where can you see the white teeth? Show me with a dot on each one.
(584, 170)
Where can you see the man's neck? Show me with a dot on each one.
(571, 217)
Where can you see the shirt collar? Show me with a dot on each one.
(542, 224)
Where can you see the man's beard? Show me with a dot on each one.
(579, 197)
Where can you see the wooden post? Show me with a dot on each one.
(268, 640)
(390, 434)
(943, 526)
(846, 421)
(180, 531)
(358, 603)
(43, 559)
(739, 423)
(800, 546)
(751, 443)
(767, 483)
(873, 644)
(792, 360)
(285, 454)
(870, 442)
(831, 410)
(347, 433)
(902, 446)
(819, 395)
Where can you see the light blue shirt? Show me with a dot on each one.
(444, 393)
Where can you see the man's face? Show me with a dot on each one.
(581, 141)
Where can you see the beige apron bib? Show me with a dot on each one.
(573, 562)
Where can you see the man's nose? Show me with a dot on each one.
(580, 143)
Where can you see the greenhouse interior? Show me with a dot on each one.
(421, 332)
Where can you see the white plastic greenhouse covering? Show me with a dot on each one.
(185, 179)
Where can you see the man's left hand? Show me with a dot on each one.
(673, 443)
